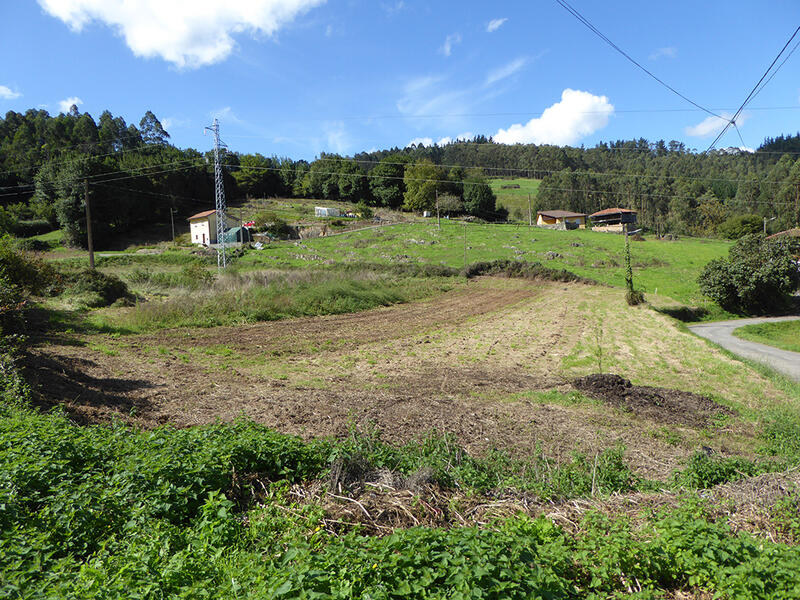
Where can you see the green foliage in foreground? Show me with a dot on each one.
(111, 512)
(783, 334)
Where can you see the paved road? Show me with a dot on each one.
(721, 333)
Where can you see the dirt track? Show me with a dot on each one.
(468, 362)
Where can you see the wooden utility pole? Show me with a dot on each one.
(530, 214)
(438, 218)
(796, 204)
(88, 222)
(465, 246)
(172, 222)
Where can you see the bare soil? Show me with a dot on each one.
(662, 405)
(468, 362)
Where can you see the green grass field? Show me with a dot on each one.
(784, 334)
(515, 200)
(663, 268)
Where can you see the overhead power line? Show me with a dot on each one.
(574, 12)
(755, 90)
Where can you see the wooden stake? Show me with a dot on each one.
(530, 214)
(88, 223)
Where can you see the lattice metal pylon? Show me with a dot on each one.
(219, 196)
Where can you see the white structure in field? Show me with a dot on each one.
(324, 211)
(203, 227)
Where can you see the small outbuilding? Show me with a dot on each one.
(560, 219)
(240, 235)
(203, 227)
(327, 211)
(612, 220)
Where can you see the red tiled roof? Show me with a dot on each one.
(559, 214)
(612, 211)
(788, 233)
(200, 215)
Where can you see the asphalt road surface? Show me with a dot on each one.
(721, 333)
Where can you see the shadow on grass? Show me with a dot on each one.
(65, 382)
(687, 314)
(45, 324)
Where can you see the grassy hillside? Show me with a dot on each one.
(664, 268)
(515, 200)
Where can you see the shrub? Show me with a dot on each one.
(705, 471)
(738, 226)
(364, 210)
(269, 222)
(29, 274)
(31, 227)
(757, 277)
(99, 288)
(634, 297)
(523, 270)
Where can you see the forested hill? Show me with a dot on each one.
(135, 176)
(782, 144)
(678, 189)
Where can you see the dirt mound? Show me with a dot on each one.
(662, 405)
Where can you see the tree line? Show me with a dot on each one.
(137, 176)
(672, 187)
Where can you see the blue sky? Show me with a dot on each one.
(299, 77)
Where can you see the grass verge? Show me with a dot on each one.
(782, 334)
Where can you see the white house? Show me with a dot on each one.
(324, 211)
(203, 227)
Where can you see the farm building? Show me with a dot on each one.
(560, 219)
(203, 227)
(325, 211)
(789, 233)
(236, 235)
(612, 220)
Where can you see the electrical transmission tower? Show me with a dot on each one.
(219, 196)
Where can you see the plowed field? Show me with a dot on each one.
(490, 362)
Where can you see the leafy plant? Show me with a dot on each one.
(757, 277)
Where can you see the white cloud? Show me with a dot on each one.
(172, 122)
(495, 24)
(6, 93)
(66, 104)
(392, 9)
(713, 125)
(427, 96)
(329, 31)
(187, 33)
(450, 41)
(420, 141)
(226, 115)
(336, 136)
(461, 137)
(667, 52)
(577, 115)
(506, 70)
